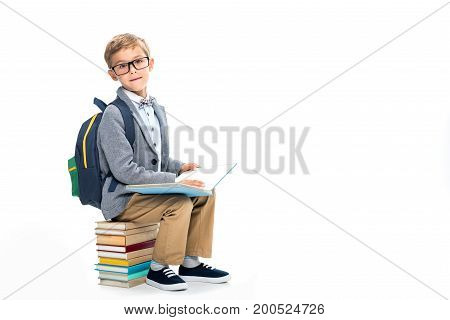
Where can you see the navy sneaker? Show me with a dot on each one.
(203, 273)
(165, 279)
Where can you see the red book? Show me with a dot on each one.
(130, 248)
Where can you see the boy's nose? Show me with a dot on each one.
(132, 68)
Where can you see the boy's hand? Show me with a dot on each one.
(188, 166)
(194, 183)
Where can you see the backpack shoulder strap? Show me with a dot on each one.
(129, 133)
(127, 119)
(100, 104)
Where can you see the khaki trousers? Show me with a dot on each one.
(186, 224)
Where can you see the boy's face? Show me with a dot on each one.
(134, 80)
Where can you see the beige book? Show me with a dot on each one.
(118, 225)
(122, 284)
(126, 232)
(126, 240)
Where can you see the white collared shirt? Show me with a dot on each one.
(151, 121)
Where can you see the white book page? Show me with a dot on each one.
(210, 177)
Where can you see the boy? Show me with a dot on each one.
(186, 224)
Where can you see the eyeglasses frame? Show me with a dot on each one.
(129, 63)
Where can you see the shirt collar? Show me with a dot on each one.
(134, 97)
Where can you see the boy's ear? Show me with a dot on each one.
(150, 64)
(112, 75)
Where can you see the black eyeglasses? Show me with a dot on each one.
(138, 64)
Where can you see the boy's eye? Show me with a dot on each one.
(139, 60)
(122, 66)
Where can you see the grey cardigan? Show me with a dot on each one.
(137, 165)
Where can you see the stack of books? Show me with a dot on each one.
(124, 251)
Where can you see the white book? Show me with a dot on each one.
(211, 180)
(111, 248)
(127, 255)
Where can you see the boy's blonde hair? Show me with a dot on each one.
(124, 41)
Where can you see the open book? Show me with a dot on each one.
(211, 180)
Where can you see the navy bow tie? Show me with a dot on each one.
(144, 102)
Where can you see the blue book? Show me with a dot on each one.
(125, 270)
(211, 180)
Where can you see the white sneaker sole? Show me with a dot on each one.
(205, 279)
(167, 287)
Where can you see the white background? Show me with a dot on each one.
(378, 149)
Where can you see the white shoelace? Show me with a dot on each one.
(207, 266)
(169, 273)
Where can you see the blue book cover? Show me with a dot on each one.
(126, 270)
(122, 276)
(169, 188)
